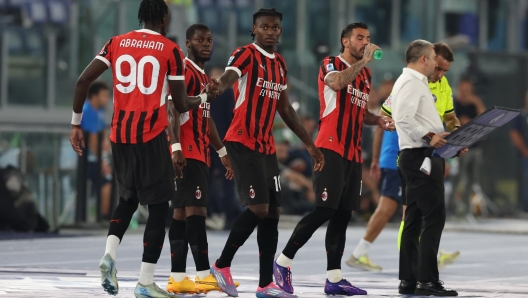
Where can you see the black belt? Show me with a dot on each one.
(421, 149)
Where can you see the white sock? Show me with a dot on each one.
(284, 261)
(203, 274)
(146, 274)
(178, 276)
(112, 242)
(361, 249)
(334, 275)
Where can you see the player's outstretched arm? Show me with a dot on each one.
(178, 160)
(183, 102)
(340, 79)
(217, 143)
(451, 121)
(227, 80)
(90, 74)
(385, 122)
(289, 116)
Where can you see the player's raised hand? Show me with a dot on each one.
(77, 139)
(178, 162)
(227, 164)
(438, 140)
(369, 51)
(387, 123)
(318, 157)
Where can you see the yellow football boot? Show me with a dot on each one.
(208, 284)
(186, 286)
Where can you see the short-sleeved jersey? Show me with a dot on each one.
(257, 92)
(443, 96)
(142, 62)
(341, 113)
(194, 124)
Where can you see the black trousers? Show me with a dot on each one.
(424, 217)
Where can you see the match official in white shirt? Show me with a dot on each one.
(419, 127)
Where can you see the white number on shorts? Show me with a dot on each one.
(277, 183)
(137, 73)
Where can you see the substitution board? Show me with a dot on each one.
(475, 130)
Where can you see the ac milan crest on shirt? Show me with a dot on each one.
(324, 196)
(251, 192)
(198, 193)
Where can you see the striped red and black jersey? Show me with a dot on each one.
(342, 112)
(257, 91)
(142, 62)
(194, 124)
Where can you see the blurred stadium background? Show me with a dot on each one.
(45, 45)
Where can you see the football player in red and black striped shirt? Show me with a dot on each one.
(344, 87)
(259, 76)
(194, 131)
(144, 64)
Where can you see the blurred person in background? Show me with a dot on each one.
(370, 198)
(224, 207)
(467, 105)
(295, 184)
(93, 124)
(299, 158)
(519, 137)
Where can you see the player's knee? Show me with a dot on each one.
(260, 210)
(273, 212)
(342, 216)
(179, 214)
(157, 216)
(387, 209)
(129, 204)
(198, 211)
(323, 213)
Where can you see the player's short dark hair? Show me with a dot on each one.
(348, 30)
(152, 11)
(96, 87)
(193, 28)
(264, 12)
(417, 49)
(442, 49)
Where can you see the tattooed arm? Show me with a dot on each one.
(340, 79)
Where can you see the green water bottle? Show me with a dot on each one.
(377, 54)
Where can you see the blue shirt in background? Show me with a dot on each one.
(92, 122)
(389, 150)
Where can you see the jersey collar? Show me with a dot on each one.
(148, 31)
(344, 61)
(263, 52)
(416, 74)
(194, 64)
